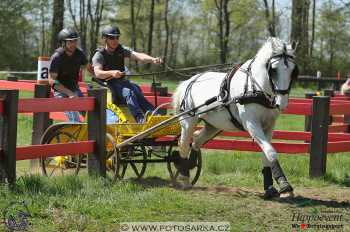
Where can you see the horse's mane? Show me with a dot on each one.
(271, 47)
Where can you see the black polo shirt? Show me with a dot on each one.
(111, 61)
(67, 67)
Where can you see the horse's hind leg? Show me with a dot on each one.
(187, 128)
(203, 135)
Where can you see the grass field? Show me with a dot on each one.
(229, 189)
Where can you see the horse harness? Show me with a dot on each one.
(254, 96)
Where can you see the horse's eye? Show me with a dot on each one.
(272, 72)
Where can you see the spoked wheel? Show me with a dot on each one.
(64, 164)
(133, 156)
(110, 153)
(193, 164)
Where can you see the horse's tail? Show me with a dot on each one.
(180, 92)
(177, 96)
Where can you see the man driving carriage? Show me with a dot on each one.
(65, 66)
(108, 64)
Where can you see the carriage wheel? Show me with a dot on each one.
(195, 165)
(133, 156)
(60, 165)
(110, 153)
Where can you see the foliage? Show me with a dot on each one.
(189, 38)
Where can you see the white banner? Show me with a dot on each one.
(174, 226)
(43, 68)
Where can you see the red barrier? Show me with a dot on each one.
(338, 128)
(340, 146)
(49, 150)
(299, 108)
(221, 144)
(277, 134)
(17, 85)
(55, 104)
(339, 108)
(160, 100)
(338, 118)
(300, 100)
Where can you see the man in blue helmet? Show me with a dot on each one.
(108, 64)
(66, 63)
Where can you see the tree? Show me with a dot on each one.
(95, 16)
(271, 20)
(223, 16)
(166, 25)
(300, 31)
(57, 22)
(313, 28)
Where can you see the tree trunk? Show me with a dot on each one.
(150, 30)
(166, 24)
(313, 28)
(270, 21)
(95, 21)
(133, 29)
(43, 38)
(57, 22)
(224, 27)
(227, 29)
(300, 16)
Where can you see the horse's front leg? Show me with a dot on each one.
(270, 159)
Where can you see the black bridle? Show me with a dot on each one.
(271, 72)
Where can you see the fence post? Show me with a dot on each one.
(41, 121)
(308, 118)
(9, 136)
(163, 92)
(319, 136)
(97, 132)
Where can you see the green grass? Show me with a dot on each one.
(229, 189)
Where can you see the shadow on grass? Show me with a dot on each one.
(239, 192)
(151, 182)
(301, 201)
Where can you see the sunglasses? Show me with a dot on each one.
(113, 37)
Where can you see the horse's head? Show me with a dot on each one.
(281, 70)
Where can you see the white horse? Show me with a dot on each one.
(256, 94)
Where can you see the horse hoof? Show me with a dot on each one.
(183, 182)
(270, 193)
(286, 195)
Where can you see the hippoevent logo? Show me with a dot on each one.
(325, 220)
(15, 216)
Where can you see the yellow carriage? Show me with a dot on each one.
(128, 144)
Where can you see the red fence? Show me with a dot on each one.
(11, 106)
(318, 142)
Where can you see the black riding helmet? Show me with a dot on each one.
(67, 34)
(110, 31)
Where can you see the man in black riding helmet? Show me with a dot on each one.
(108, 64)
(65, 66)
